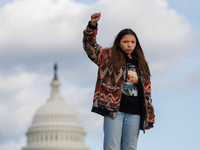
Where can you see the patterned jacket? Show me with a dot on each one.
(109, 85)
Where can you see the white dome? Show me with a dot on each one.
(56, 112)
(56, 125)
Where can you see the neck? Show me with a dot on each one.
(129, 55)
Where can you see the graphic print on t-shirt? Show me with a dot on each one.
(130, 86)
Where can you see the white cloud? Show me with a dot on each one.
(17, 81)
(36, 23)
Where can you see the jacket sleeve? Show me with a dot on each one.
(149, 108)
(94, 51)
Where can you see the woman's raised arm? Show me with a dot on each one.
(94, 51)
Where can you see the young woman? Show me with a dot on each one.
(123, 89)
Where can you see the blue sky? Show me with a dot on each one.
(35, 34)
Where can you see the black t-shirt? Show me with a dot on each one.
(131, 99)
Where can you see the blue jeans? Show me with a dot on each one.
(121, 133)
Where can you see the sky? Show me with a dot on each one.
(35, 34)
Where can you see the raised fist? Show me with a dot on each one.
(95, 18)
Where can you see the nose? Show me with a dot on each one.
(129, 44)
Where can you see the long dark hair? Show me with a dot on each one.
(117, 58)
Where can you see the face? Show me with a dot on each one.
(127, 44)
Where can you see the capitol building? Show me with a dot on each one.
(56, 125)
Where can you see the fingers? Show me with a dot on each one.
(95, 18)
(96, 15)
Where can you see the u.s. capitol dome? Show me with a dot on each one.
(56, 125)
